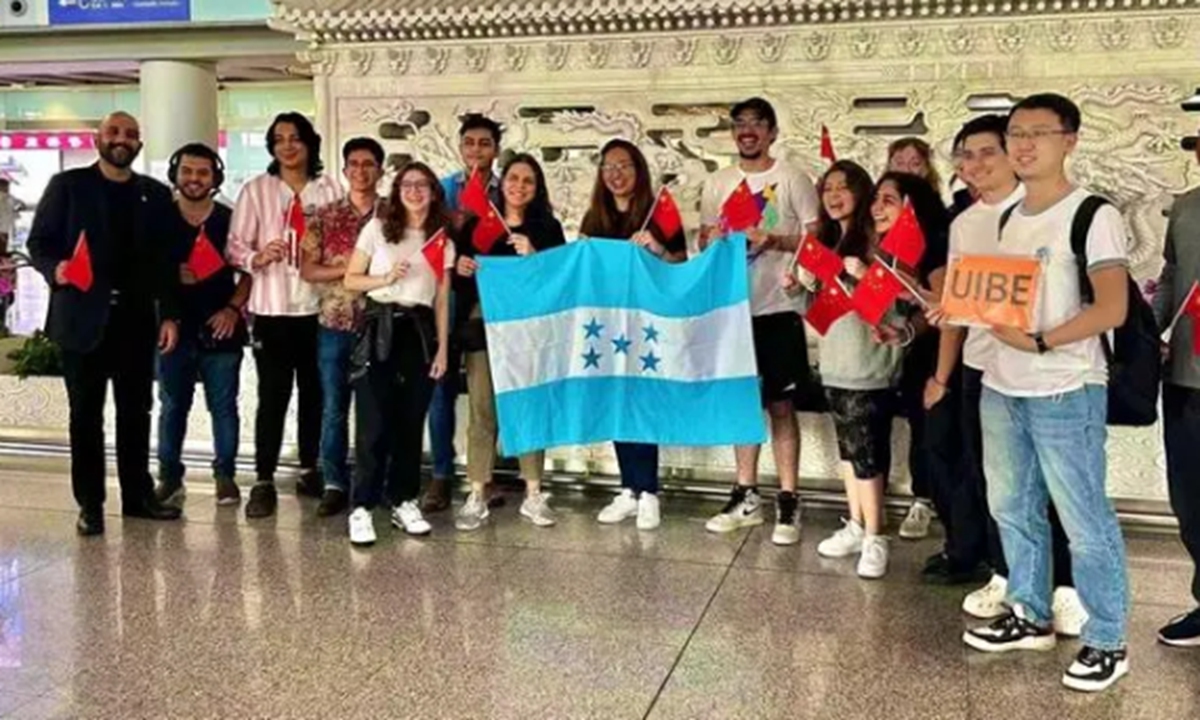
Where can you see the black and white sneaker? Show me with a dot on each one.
(1011, 632)
(1096, 670)
(1182, 631)
(744, 509)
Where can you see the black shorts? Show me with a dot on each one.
(781, 352)
(863, 420)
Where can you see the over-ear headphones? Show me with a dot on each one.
(197, 150)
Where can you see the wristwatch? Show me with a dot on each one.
(1040, 340)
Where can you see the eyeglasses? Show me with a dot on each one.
(1035, 135)
(415, 186)
(615, 168)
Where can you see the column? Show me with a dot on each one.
(179, 106)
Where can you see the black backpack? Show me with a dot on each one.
(1134, 356)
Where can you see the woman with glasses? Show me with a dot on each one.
(622, 203)
(401, 351)
(531, 227)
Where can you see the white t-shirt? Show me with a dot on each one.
(419, 286)
(976, 232)
(790, 204)
(1047, 235)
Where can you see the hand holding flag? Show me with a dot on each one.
(876, 293)
(434, 252)
(664, 214)
(489, 228)
(295, 226)
(204, 260)
(1190, 307)
(78, 270)
(829, 306)
(819, 260)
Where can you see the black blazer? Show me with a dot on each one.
(74, 201)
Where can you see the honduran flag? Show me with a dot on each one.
(616, 345)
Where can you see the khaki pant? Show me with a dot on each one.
(482, 430)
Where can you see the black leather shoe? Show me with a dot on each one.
(310, 484)
(333, 502)
(90, 522)
(151, 509)
(263, 500)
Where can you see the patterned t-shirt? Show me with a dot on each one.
(331, 238)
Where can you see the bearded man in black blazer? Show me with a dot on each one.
(110, 331)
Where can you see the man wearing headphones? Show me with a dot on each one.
(212, 328)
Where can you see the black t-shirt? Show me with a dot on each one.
(122, 200)
(625, 227)
(204, 299)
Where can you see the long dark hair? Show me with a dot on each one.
(602, 218)
(539, 208)
(926, 203)
(308, 136)
(395, 216)
(925, 151)
(857, 240)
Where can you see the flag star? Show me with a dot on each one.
(650, 362)
(591, 359)
(592, 329)
(651, 333)
(621, 345)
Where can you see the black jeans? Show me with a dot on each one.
(972, 468)
(918, 365)
(391, 401)
(285, 349)
(126, 357)
(1181, 432)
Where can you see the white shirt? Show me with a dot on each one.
(419, 286)
(976, 231)
(1047, 235)
(790, 204)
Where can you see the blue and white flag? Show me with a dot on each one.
(600, 340)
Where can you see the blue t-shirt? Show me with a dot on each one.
(452, 186)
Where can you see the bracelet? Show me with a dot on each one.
(912, 335)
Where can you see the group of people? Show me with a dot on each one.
(333, 291)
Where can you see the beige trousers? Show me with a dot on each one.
(482, 430)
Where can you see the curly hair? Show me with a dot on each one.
(394, 215)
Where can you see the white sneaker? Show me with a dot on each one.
(987, 603)
(623, 507)
(648, 514)
(916, 524)
(1069, 615)
(362, 527)
(536, 509)
(472, 514)
(874, 561)
(843, 543)
(408, 518)
(744, 509)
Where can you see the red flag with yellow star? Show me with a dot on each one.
(876, 293)
(830, 305)
(740, 210)
(819, 260)
(434, 252)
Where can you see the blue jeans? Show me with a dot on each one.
(442, 420)
(334, 348)
(178, 372)
(1052, 448)
(639, 466)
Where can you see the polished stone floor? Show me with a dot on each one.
(217, 618)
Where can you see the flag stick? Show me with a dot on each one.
(907, 286)
(1166, 334)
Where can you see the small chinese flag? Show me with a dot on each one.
(829, 306)
(204, 260)
(434, 251)
(1191, 308)
(827, 146)
(876, 293)
(905, 241)
(819, 260)
(78, 271)
(296, 227)
(489, 228)
(474, 195)
(740, 210)
(666, 215)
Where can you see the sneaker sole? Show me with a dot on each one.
(362, 543)
(830, 556)
(784, 541)
(1092, 686)
(1188, 643)
(1029, 644)
(615, 521)
(539, 523)
(400, 526)
(870, 576)
(737, 525)
(648, 526)
(913, 536)
(228, 502)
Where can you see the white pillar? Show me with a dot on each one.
(179, 106)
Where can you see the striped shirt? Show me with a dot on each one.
(260, 217)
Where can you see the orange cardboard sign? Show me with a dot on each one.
(987, 290)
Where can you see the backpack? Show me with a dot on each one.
(1134, 356)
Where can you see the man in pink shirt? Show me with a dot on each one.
(269, 223)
